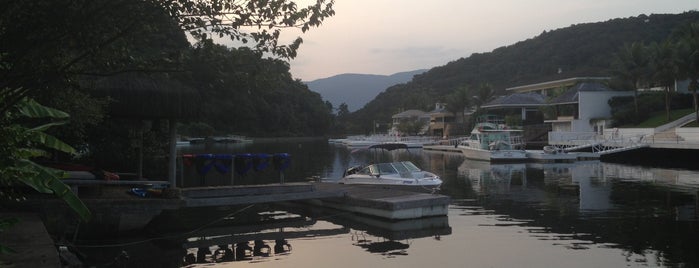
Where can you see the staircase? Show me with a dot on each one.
(668, 136)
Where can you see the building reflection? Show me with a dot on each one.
(648, 212)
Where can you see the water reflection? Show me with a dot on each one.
(650, 213)
(582, 214)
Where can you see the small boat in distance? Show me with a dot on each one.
(403, 174)
(491, 140)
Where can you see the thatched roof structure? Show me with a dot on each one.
(146, 96)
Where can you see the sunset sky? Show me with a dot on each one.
(390, 36)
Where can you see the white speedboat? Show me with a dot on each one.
(492, 141)
(403, 173)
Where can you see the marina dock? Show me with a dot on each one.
(532, 155)
(375, 201)
(127, 212)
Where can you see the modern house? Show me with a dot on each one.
(584, 108)
(578, 104)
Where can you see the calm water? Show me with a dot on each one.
(584, 214)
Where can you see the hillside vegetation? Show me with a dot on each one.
(577, 51)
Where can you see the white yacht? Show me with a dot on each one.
(492, 141)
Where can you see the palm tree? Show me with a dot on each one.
(662, 63)
(688, 58)
(483, 95)
(631, 65)
(458, 100)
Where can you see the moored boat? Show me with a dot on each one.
(491, 140)
(402, 174)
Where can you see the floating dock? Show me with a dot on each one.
(541, 156)
(384, 203)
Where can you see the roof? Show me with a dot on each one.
(528, 99)
(438, 112)
(146, 96)
(555, 84)
(571, 96)
(409, 114)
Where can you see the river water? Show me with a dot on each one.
(582, 214)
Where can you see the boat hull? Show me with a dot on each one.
(494, 155)
(425, 188)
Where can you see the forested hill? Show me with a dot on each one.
(579, 50)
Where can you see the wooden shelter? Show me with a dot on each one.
(144, 97)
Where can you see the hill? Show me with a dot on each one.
(578, 50)
(356, 90)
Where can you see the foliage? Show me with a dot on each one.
(484, 94)
(24, 138)
(246, 94)
(663, 68)
(459, 100)
(54, 41)
(623, 109)
(412, 126)
(687, 58)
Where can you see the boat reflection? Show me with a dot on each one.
(381, 236)
(273, 238)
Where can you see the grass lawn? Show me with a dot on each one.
(658, 118)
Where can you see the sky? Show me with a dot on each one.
(390, 36)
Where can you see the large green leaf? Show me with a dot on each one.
(51, 142)
(31, 108)
(47, 180)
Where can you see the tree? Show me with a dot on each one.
(662, 63)
(688, 58)
(484, 94)
(459, 100)
(631, 64)
(54, 41)
(411, 126)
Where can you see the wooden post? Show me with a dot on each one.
(232, 169)
(172, 160)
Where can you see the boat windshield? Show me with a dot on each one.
(410, 166)
(386, 168)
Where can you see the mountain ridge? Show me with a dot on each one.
(355, 89)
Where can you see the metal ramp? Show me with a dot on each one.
(608, 146)
(604, 149)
